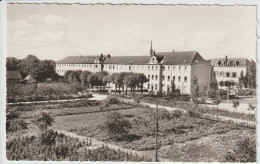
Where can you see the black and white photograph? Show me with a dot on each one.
(130, 82)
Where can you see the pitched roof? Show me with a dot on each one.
(242, 61)
(78, 60)
(13, 75)
(29, 78)
(182, 58)
(127, 60)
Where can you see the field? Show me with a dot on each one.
(184, 139)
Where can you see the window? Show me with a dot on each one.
(169, 68)
(163, 78)
(156, 67)
(227, 74)
(169, 78)
(163, 68)
(148, 85)
(168, 88)
(148, 67)
(113, 67)
(109, 66)
(179, 78)
(129, 67)
(185, 68)
(216, 64)
(173, 67)
(155, 86)
(173, 78)
(152, 68)
(149, 77)
(234, 74)
(221, 74)
(152, 77)
(179, 67)
(156, 77)
(185, 79)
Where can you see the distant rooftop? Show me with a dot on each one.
(13, 75)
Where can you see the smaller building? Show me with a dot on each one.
(229, 69)
(13, 77)
(29, 79)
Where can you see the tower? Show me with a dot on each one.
(151, 49)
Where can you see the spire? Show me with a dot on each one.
(151, 49)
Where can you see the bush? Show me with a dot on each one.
(13, 122)
(116, 125)
(245, 151)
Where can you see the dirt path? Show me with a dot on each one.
(96, 143)
(221, 118)
(95, 97)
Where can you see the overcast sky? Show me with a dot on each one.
(56, 31)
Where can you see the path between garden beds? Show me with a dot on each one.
(111, 146)
(212, 116)
(95, 97)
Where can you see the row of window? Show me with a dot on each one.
(79, 65)
(226, 74)
(153, 87)
(229, 63)
(155, 77)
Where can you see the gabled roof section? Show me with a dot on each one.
(29, 78)
(15, 75)
(182, 58)
(127, 60)
(241, 61)
(78, 60)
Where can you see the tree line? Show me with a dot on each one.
(39, 69)
(123, 80)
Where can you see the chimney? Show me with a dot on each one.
(108, 56)
(154, 53)
(226, 59)
(172, 50)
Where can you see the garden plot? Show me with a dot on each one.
(185, 131)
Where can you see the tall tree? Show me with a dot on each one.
(12, 64)
(92, 80)
(84, 78)
(141, 80)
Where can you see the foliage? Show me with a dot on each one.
(251, 107)
(43, 120)
(249, 79)
(245, 151)
(117, 126)
(12, 64)
(63, 148)
(235, 103)
(92, 80)
(14, 122)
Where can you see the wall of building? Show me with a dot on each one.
(180, 74)
(221, 72)
(61, 69)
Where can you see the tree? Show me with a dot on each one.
(221, 84)
(92, 80)
(43, 120)
(84, 77)
(217, 100)
(252, 74)
(141, 80)
(117, 126)
(137, 99)
(195, 84)
(118, 80)
(176, 114)
(173, 87)
(29, 65)
(100, 76)
(12, 64)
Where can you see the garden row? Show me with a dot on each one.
(45, 91)
(51, 146)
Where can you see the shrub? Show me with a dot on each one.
(43, 120)
(245, 151)
(13, 122)
(116, 125)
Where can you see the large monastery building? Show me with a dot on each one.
(161, 68)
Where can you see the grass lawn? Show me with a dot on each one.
(189, 139)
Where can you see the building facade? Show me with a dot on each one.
(160, 68)
(229, 69)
